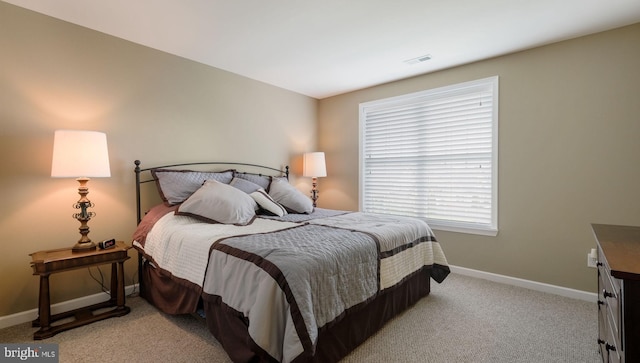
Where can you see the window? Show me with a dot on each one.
(433, 154)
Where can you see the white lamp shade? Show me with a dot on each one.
(80, 154)
(314, 165)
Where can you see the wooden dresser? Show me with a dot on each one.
(618, 292)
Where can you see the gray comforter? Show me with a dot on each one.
(291, 282)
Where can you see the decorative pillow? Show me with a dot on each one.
(175, 186)
(244, 185)
(267, 203)
(262, 180)
(291, 198)
(216, 202)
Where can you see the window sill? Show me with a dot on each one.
(492, 232)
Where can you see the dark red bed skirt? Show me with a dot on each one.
(167, 293)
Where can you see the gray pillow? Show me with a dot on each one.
(261, 180)
(244, 185)
(290, 198)
(175, 186)
(216, 202)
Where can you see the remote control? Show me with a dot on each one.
(108, 243)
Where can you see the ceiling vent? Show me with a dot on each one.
(420, 59)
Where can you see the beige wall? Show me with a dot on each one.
(153, 106)
(569, 154)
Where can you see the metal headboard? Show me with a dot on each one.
(147, 179)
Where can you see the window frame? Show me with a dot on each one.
(491, 83)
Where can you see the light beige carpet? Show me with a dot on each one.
(463, 320)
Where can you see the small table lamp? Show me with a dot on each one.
(314, 167)
(80, 155)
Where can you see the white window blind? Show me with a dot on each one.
(433, 154)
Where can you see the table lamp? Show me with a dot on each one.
(313, 166)
(80, 155)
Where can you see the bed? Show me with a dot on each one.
(276, 279)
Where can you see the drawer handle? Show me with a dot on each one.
(600, 302)
(598, 264)
(606, 293)
(607, 346)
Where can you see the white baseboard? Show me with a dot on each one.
(532, 285)
(30, 315)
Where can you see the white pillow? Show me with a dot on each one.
(216, 202)
(290, 197)
(267, 203)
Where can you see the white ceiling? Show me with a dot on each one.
(330, 47)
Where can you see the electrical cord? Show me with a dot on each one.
(134, 284)
(100, 282)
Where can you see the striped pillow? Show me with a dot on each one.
(267, 203)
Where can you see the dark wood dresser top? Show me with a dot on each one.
(621, 247)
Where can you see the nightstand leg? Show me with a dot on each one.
(119, 288)
(114, 283)
(44, 306)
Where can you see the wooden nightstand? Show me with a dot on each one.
(45, 263)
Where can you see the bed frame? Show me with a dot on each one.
(335, 341)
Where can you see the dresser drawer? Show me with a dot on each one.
(606, 341)
(613, 346)
(609, 293)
